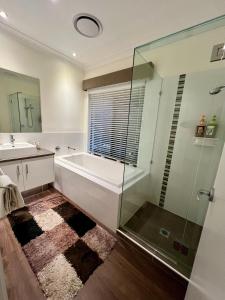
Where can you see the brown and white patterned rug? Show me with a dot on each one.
(62, 245)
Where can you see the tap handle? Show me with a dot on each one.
(71, 148)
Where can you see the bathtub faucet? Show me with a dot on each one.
(71, 148)
(12, 140)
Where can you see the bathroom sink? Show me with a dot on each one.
(19, 149)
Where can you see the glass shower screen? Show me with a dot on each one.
(180, 143)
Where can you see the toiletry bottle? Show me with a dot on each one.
(211, 128)
(200, 128)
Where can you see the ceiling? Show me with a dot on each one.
(126, 24)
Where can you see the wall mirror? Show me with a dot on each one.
(20, 108)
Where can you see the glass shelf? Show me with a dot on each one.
(206, 142)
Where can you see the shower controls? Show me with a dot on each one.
(12, 140)
(218, 52)
(28, 113)
(209, 194)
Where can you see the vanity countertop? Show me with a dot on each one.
(38, 153)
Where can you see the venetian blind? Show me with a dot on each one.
(110, 111)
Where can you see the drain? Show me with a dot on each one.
(164, 232)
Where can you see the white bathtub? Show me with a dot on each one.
(95, 184)
(109, 172)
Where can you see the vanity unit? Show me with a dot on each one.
(21, 113)
(27, 167)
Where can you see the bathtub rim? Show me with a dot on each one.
(103, 183)
(59, 160)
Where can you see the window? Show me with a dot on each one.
(109, 112)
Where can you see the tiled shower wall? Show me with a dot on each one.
(173, 131)
(180, 167)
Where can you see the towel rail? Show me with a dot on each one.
(5, 188)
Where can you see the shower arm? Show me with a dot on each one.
(222, 86)
(216, 90)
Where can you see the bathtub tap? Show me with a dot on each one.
(71, 148)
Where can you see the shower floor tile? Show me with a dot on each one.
(173, 235)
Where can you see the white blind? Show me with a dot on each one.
(109, 133)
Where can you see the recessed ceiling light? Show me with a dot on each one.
(3, 14)
(87, 25)
(74, 54)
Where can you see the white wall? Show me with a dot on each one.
(194, 167)
(112, 67)
(61, 83)
(149, 121)
(164, 121)
(186, 54)
(208, 275)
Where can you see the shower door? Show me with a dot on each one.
(164, 208)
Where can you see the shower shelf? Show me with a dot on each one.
(206, 142)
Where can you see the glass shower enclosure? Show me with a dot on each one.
(180, 142)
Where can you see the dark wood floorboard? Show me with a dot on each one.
(128, 273)
(20, 280)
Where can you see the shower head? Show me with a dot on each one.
(216, 90)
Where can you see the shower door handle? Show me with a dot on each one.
(27, 170)
(17, 172)
(209, 194)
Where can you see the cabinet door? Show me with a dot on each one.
(38, 171)
(15, 172)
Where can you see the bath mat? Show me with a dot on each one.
(63, 246)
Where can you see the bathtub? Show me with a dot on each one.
(95, 184)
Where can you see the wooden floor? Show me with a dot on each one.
(128, 273)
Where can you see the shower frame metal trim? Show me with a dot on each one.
(150, 250)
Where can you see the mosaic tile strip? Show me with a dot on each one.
(173, 131)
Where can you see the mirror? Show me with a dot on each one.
(20, 108)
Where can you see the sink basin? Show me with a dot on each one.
(19, 149)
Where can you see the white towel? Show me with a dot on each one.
(10, 197)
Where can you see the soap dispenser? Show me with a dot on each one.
(200, 128)
(211, 128)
